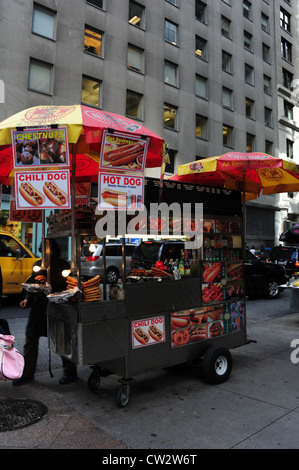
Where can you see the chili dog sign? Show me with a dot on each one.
(43, 190)
(122, 192)
(148, 331)
(120, 151)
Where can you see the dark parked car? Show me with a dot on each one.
(261, 277)
(288, 256)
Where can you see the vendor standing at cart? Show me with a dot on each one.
(37, 322)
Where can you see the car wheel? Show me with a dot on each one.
(272, 288)
(112, 275)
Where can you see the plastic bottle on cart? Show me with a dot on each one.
(176, 273)
(187, 265)
(181, 266)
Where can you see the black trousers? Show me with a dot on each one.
(31, 354)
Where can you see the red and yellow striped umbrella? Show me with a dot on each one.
(254, 173)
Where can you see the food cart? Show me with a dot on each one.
(163, 321)
(157, 319)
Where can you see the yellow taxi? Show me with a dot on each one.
(16, 263)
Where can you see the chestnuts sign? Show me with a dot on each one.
(40, 147)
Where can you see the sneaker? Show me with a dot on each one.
(67, 379)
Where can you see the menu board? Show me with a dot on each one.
(197, 324)
(222, 286)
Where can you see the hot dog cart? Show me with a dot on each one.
(164, 319)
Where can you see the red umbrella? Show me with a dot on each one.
(85, 128)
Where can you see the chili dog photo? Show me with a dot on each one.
(121, 151)
(31, 195)
(141, 336)
(155, 333)
(115, 198)
(54, 194)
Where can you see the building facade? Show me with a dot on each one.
(208, 76)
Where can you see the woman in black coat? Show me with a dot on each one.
(37, 321)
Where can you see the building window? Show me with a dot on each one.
(201, 129)
(91, 89)
(170, 73)
(249, 75)
(40, 76)
(200, 11)
(265, 23)
(285, 20)
(169, 167)
(96, 3)
(268, 147)
(201, 88)
(248, 41)
(134, 105)
(268, 117)
(247, 10)
(266, 53)
(201, 49)
(286, 50)
(227, 98)
(174, 2)
(249, 108)
(170, 116)
(225, 27)
(250, 143)
(227, 135)
(267, 84)
(43, 22)
(290, 146)
(93, 41)
(227, 1)
(171, 32)
(135, 58)
(136, 14)
(288, 110)
(287, 78)
(226, 62)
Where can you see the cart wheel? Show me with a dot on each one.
(123, 395)
(217, 365)
(93, 382)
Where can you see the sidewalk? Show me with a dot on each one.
(257, 408)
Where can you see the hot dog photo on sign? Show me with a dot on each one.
(42, 190)
(125, 152)
(148, 332)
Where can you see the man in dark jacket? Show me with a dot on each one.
(37, 321)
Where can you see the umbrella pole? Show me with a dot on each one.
(243, 217)
(73, 214)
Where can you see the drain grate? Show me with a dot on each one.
(18, 413)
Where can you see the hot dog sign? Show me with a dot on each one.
(120, 151)
(43, 190)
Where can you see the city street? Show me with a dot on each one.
(176, 409)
